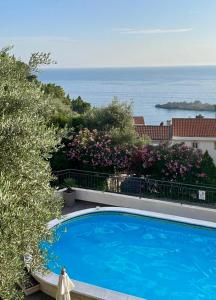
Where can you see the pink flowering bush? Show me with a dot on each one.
(181, 163)
(93, 150)
(175, 163)
(143, 160)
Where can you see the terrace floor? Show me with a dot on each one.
(38, 296)
(79, 205)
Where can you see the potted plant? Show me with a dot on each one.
(69, 194)
(29, 285)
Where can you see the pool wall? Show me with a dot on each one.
(153, 205)
(83, 291)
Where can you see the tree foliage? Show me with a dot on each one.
(60, 113)
(208, 167)
(79, 105)
(39, 58)
(116, 119)
(114, 115)
(56, 91)
(26, 199)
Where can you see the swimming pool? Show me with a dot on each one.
(137, 255)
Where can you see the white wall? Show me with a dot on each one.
(153, 205)
(203, 144)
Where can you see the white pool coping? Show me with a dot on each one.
(133, 211)
(99, 292)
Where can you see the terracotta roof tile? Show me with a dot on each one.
(196, 127)
(138, 120)
(159, 133)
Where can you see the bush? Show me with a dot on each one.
(116, 120)
(175, 163)
(208, 167)
(94, 151)
(80, 106)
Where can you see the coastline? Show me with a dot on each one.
(191, 106)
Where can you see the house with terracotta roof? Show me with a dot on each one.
(198, 133)
(138, 120)
(157, 133)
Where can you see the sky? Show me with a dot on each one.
(112, 33)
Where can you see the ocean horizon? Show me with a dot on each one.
(143, 86)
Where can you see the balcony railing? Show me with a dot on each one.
(138, 186)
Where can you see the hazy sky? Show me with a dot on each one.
(112, 33)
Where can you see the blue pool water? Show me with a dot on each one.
(146, 257)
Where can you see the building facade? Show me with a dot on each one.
(199, 133)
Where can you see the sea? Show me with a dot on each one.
(144, 87)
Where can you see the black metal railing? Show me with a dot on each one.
(137, 186)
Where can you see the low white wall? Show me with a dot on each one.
(166, 207)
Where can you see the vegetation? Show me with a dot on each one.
(173, 163)
(56, 91)
(208, 168)
(39, 125)
(69, 183)
(26, 199)
(80, 106)
(116, 120)
(92, 150)
(60, 113)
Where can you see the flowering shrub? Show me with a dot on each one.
(177, 162)
(142, 160)
(93, 150)
(181, 163)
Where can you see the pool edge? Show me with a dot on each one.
(49, 281)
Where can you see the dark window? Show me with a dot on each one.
(195, 145)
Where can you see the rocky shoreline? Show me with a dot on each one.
(196, 105)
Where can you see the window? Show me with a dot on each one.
(195, 145)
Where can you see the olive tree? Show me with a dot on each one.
(27, 201)
(116, 119)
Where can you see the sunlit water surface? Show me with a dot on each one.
(145, 257)
(144, 86)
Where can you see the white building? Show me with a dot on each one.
(198, 133)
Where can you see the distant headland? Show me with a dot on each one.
(196, 105)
